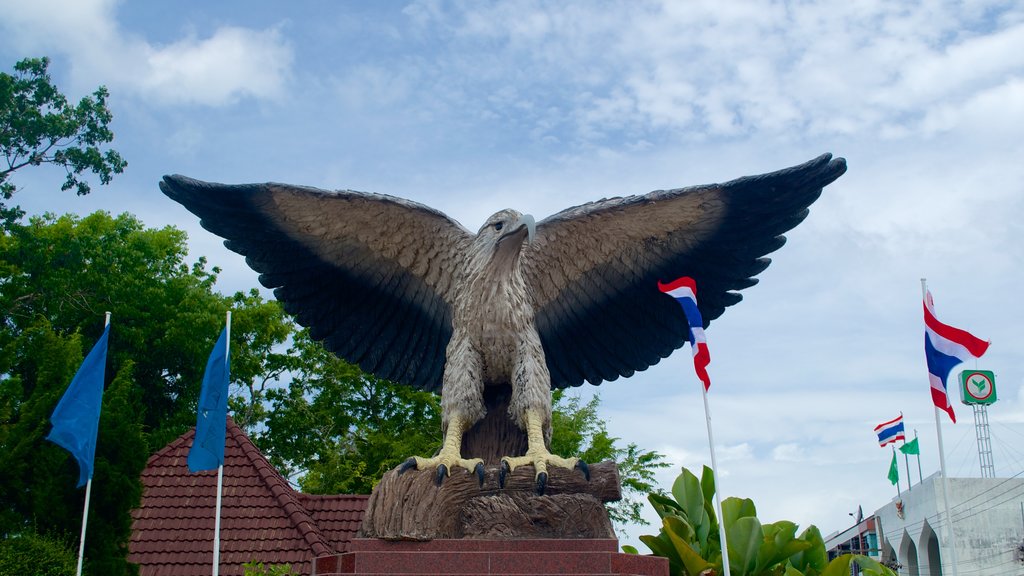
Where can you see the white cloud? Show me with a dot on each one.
(230, 64)
(707, 69)
(788, 453)
(233, 63)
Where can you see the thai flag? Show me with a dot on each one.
(944, 348)
(684, 290)
(891, 431)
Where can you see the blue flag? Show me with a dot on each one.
(76, 419)
(207, 451)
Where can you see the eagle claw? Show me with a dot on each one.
(479, 469)
(406, 466)
(542, 483)
(445, 463)
(505, 471)
(540, 460)
(584, 468)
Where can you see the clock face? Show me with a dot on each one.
(978, 385)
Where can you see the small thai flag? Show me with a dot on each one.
(891, 431)
(684, 290)
(944, 348)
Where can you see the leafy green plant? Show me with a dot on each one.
(31, 553)
(690, 539)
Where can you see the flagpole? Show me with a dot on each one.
(948, 528)
(896, 468)
(718, 487)
(220, 468)
(88, 495)
(920, 478)
(906, 460)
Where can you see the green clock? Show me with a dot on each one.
(978, 387)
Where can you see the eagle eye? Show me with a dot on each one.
(498, 226)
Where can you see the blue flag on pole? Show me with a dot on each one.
(207, 451)
(76, 419)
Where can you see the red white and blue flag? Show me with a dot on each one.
(891, 431)
(684, 290)
(945, 347)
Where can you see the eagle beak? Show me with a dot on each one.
(531, 226)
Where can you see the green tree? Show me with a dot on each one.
(38, 555)
(341, 428)
(39, 126)
(57, 277)
(577, 428)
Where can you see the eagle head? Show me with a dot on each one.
(499, 241)
(506, 230)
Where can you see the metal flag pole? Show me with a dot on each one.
(948, 525)
(906, 460)
(220, 469)
(718, 486)
(88, 495)
(920, 478)
(899, 493)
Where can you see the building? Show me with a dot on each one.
(988, 529)
(861, 538)
(262, 517)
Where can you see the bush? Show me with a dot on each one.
(689, 538)
(32, 553)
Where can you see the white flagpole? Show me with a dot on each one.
(920, 478)
(85, 518)
(220, 469)
(88, 494)
(216, 523)
(718, 486)
(948, 528)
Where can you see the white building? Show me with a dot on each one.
(988, 528)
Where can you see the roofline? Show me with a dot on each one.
(283, 493)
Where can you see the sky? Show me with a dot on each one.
(472, 107)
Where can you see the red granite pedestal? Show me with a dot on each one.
(540, 556)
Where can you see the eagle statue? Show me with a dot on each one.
(412, 296)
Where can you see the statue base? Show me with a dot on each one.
(411, 506)
(539, 556)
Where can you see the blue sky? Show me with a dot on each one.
(473, 107)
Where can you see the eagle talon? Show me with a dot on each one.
(479, 469)
(542, 483)
(442, 471)
(584, 468)
(406, 466)
(505, 471)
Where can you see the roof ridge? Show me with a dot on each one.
(283, 493)
(172, 445)
(307, 496)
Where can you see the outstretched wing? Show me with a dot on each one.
(370, 275)
(593, 270)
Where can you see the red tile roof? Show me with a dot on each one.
(262, 517)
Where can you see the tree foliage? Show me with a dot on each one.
(35, 554)
(339, 428)
(577, 429)
(39, 126)
(57, 277)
